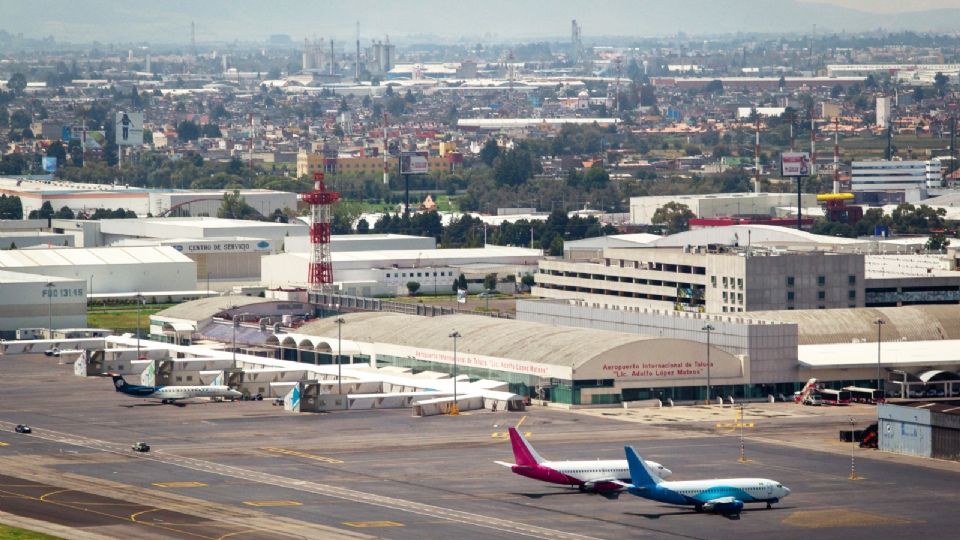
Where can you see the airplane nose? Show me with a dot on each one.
(786, 491)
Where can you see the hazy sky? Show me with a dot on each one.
(168, 21)
(892, 6)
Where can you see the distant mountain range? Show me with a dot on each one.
(248, 20)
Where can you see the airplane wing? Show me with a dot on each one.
(608, 480)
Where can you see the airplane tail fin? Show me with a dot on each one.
(523, 453)
(640, 473)
(118, 383)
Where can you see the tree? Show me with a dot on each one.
(57, 150)
(10, 207)
(211, 131)
(940, 81)
(188, 131)
(528, 280)
(17, 83)
(45, 212)
(462, 282)
(489, 152)
(363, 226)
(675, 216)
(413, 287)
(918, 95)
(937, 242)
(234, 206)
(514, 167)
(490, 282)
(714, 87)
(64, 213)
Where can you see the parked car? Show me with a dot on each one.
(23, 428)
(813, 400)
(55, 351)
(278, 401)
(140, 446)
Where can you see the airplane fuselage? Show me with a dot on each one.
(699, 493)
(595, 474)
(173, 393)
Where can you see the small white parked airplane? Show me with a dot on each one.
(724, 496)
(171, 394)
(598, 475)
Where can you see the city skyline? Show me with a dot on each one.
(497, 20)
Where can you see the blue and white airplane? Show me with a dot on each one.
(724, 496)
(171, 394)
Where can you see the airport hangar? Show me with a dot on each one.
(80, 197)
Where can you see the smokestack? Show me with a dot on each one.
(356, 67)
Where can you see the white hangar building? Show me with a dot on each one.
(109, 270)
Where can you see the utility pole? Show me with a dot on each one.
(455, 409)
(708, 328)
(340, 322)
(756, 157)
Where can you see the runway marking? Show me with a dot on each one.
(367, 524)
(273, 503)
(502, 526)
(4, 444)
(179, 484)
(237, 533)
(85, 509)
(506, 435)
(43, 498)
(304, 455)
(135, 515)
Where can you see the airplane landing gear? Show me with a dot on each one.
(699, 508)
(769, 505)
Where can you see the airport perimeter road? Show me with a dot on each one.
(250, 470)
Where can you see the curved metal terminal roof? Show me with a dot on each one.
(205, 308)
(507, 338)
(908, 323)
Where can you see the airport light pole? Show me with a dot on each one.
(236, 323)
(454, 409)
(139, 303)
(50, 286)
(708, 328)
(340, 322)
(879, 323)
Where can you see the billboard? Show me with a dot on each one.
(94, 140)
(795, 164)
(414, 163)
(129, 128)
(50, 164)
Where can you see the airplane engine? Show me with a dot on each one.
(732, 507)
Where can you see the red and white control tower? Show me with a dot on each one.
(321, 265)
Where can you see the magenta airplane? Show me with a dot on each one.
(597, 475)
